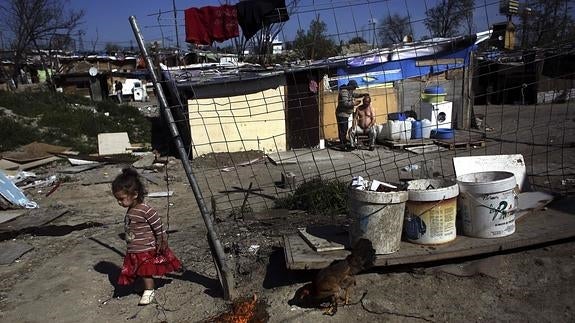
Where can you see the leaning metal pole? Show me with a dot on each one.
(224, 274)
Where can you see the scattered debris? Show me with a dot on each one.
(253, 249)
(81, 168)
(13, 194)
(160, 194)
(146, 161)
(359, 183)
(247, 163)
(288, 180)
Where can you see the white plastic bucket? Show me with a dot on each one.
(377, 216)
(431, 211)
(487, 204)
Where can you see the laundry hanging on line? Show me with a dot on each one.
(255, 14)
(208, 24)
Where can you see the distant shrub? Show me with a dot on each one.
(67, 120)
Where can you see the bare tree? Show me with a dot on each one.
(32, 22)
(444, 20)
(393, 28)
(263, 39)
(546, 21)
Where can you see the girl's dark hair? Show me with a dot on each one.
(130, 182)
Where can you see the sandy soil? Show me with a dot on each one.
(70, 274)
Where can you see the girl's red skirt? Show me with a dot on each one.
(146, 264)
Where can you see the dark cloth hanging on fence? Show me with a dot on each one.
(255, 14)
(208, 24)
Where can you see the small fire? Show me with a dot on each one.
(244, 310)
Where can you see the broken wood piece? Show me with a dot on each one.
(33, 152)
(319, 244)
(37, 163)
(80, 168)
(151, 178)
(32, 218)
(160, 194)
(145, 161)
(12, 250)
(5, 164)
(10, 215)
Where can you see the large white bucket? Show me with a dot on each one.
(431, 211)
(487, 204)
(377, 216)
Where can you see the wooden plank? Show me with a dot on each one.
(428, 149)
(407, 143)
(10, 215)
(32, 218)
(317, 240)
(5, 164)
(33, 152)
(541, 227)
(12, 250)
(38, 163)
(80, 168)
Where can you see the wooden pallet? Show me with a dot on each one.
(533, 229)
(460, 144)
(462, 140)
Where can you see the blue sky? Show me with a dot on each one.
(107, 21)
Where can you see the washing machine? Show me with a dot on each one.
(440, 114)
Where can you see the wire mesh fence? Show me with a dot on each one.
(258, 117)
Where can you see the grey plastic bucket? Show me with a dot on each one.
(377, 216)
(487, 204)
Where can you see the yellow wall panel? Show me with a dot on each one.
(239, 123)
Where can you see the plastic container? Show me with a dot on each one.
(416, 131)
(433, 94)
(426, 128)
(377, 216)
(443, 134)
(487, 204)
(399, 130)
(431, 211)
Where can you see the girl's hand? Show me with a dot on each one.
(161, 244)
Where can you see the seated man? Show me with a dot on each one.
(364, 123)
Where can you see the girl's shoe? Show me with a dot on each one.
(147, 297)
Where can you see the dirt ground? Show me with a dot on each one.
(70, 275)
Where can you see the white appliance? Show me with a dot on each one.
(440, 114)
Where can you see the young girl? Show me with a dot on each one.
(148, 253)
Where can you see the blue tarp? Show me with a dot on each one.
(388, 68)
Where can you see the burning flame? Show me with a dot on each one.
(242, 311)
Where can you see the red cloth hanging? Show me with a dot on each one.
(208, 24)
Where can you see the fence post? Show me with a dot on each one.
(224, 274)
